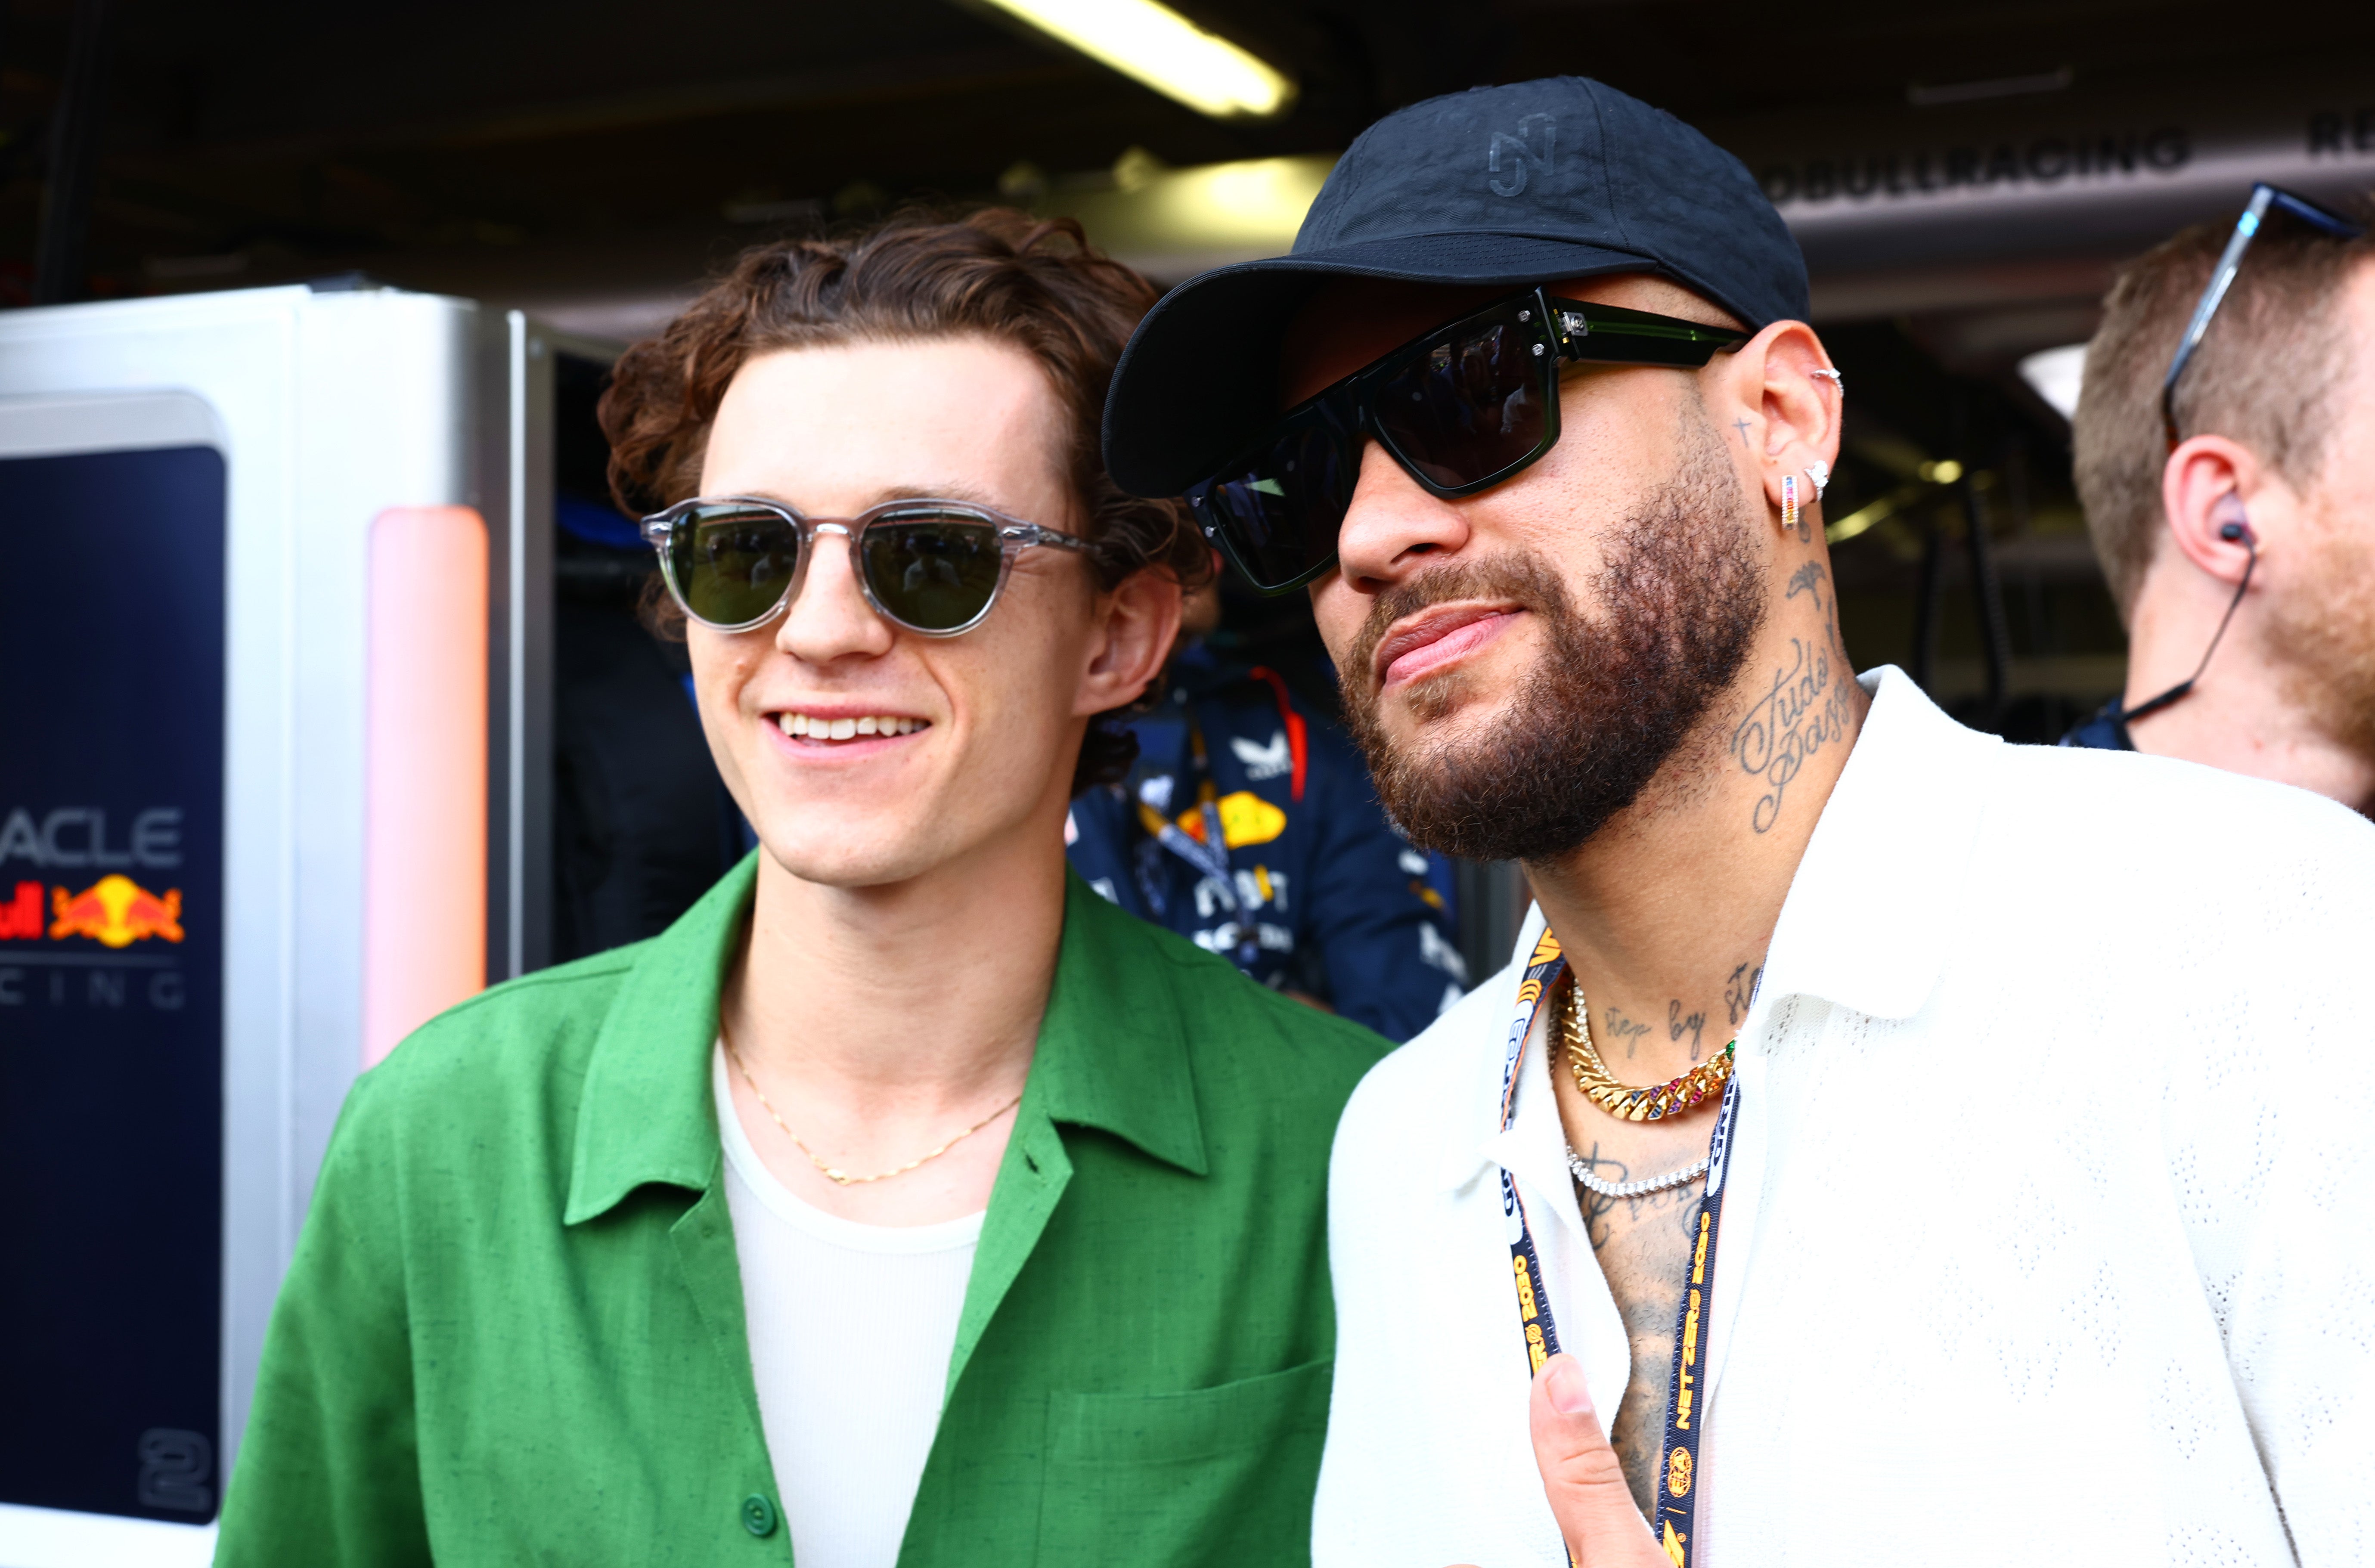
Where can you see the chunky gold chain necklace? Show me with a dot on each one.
(832, 1174)
(1628, 1101)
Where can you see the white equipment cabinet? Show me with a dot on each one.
(190, 491)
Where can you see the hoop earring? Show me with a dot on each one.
(1789, 505)
(1820, 472)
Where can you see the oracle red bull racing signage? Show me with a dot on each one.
(113, 909)
(111, 962)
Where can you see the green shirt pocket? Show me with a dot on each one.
(1204, 1476)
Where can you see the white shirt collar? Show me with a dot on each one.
(1477, 1143)
(1873, 906)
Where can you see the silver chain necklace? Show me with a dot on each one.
(1607, 1188)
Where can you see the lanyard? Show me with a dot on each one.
(1155, 798)
(1210, 858)
(1677, 1481)
(1677, 1484)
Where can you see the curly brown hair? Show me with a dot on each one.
(999, 273)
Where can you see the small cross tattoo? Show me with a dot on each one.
(1742, 426)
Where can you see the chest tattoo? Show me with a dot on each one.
(1644, 1247)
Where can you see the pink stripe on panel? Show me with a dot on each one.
(425, 766)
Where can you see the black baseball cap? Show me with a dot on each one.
(1531, 183)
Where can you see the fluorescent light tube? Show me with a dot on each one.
(1164, 49)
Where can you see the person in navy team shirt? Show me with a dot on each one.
(1248, 826)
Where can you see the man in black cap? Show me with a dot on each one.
(1881, 1209)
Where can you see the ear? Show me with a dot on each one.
(2210, 483)
(1786, 415)
(1137, 622)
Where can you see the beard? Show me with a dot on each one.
(1609, 700)
(2323, 637)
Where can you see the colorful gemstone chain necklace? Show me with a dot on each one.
(1629, 1102)
(1634, 1103)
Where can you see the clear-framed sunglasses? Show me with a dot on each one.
(934, 566)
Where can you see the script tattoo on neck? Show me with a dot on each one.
(1679, 1023)
(1809, 580)
(1740, 990)
(1804, 710)
(1623, 1028)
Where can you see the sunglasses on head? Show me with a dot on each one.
(1461, 408)
(934, 566)
(2230, 261)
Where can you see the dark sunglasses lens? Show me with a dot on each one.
(732, 563)
(1280, 510)
(934, 573)
(1471, 406)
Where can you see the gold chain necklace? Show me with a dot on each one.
(832, 1174)
(1629, 1102)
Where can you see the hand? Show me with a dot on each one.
(1595, 1509)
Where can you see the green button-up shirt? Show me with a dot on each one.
(513, 1331)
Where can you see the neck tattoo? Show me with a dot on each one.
(1630, 1102)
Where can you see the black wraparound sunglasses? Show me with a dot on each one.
(934, 566)
(2230, 261)
(1460, 409)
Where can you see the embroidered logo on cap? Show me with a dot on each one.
(1534, 144)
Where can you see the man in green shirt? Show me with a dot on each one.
(904, 1202)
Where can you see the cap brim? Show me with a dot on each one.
(1201, 376)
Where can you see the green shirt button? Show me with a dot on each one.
(758, 1515)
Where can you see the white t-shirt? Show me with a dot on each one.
(851, 1328)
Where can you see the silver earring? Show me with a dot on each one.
(1790, 504)
(1836, 380)
(1820, 472)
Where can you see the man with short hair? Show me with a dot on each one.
(2233, 508)
(904, 1202)
(1853, 1185)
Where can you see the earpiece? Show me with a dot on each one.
(2236, 533)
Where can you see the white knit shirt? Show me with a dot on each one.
(2050, 1230)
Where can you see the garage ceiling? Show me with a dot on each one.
(607, 150)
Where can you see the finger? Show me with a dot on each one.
(1594, 1507)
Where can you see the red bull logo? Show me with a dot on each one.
(116, 911)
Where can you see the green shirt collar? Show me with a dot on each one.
(1113, 1047)
(1112, 1054)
